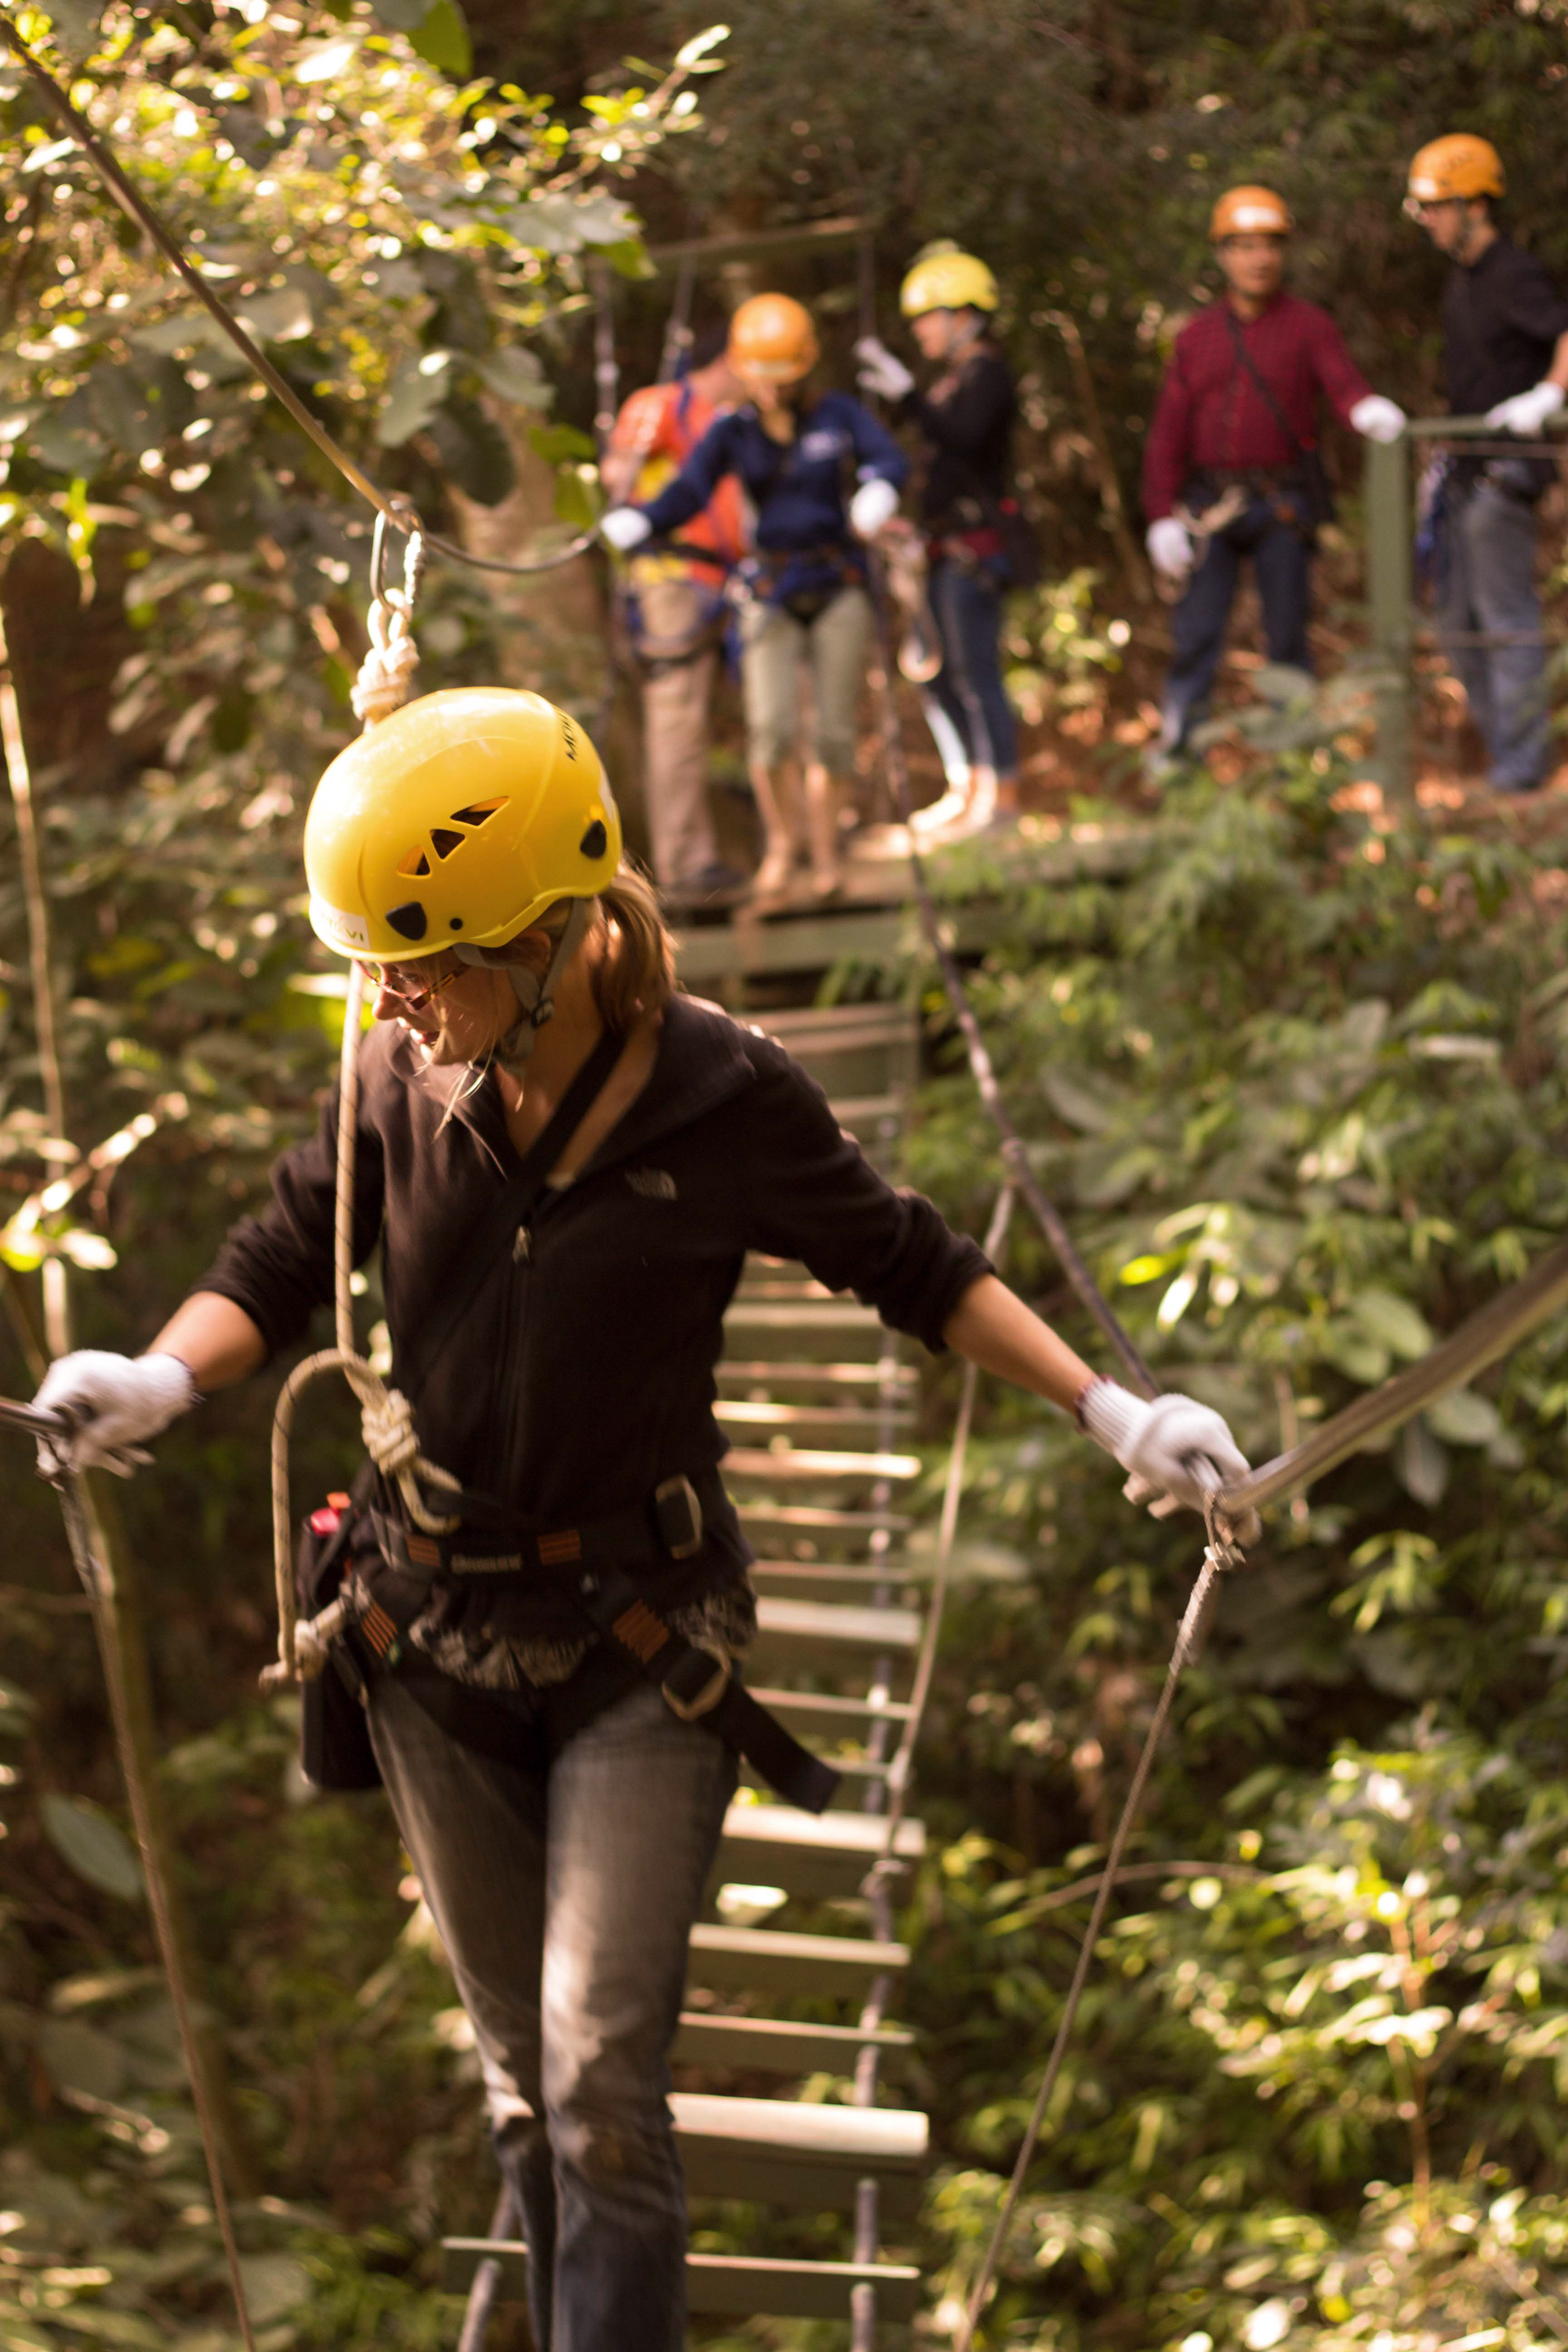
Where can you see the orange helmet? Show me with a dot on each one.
(772, 337)
(1454, 169)
(1249, 212)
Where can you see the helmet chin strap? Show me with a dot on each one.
(535, 996)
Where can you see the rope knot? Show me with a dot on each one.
(387, 670)
(386, 1423)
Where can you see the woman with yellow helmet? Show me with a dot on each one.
(559, 1779)
(971, 520)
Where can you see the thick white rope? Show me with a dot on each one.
(386, 1417)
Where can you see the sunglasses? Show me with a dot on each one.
(407, 982)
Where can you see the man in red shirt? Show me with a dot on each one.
(1231, 467)
(678, 613)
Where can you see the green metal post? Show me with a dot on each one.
(1391, 594)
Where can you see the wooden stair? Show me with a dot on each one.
(815, 1400)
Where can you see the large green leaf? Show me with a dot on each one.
(414, 395)
(474, 451)
(78, 2057)
(443, 40)
(95, 1846)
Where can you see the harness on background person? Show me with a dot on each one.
(1308, 463)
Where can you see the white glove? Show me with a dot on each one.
(1166, 1446)
(880, 372)
(1378, 419)
(1170, 547)
(115, 1402)
(624, 528)
(873, 504)
(1527, 412)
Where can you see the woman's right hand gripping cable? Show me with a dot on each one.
(1169, 1445)
(112, 1404)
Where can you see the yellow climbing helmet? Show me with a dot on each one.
(455, 823)
(944, 277)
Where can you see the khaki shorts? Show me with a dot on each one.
(776, 648)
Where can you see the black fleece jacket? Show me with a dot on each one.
(582, 1375)
(968, 420)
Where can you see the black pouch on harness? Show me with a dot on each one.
(335, 1749)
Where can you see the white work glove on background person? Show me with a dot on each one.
(880, 372)
(1527, 412)
(115, 1402)
(1378, 419)
(624, 528)
(1170, 546)
(1163, 1443)
(874, 504)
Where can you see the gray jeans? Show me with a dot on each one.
(565, 1901)
(1489, 546)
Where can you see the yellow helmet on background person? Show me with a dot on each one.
(945, 278)
(1454, 169)
(772, 337)
(1249, 212)
(455, 823)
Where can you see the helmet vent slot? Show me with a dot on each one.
(442, 841)
(595, 841)
(409, 921)
(479, 811)
(416, 865)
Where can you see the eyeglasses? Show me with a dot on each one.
(408, 984)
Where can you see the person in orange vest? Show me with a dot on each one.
(677, 609)
(1231, 467)
(1505, 334)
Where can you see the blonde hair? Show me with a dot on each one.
(637, 973)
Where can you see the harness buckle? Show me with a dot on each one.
(692, 1710)
(678, 1515)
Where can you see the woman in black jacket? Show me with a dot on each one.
(562, 1815)
(967, 513)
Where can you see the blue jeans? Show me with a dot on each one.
(966, 606)
(565, 1900)
(1281, 561)
(1489, 546)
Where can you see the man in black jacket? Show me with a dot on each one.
(1505, 335)
(967, 418)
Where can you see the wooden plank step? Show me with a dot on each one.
(715, 2285)
(817, 1633)
(786, 2152)
(775, 1845)
(821, 1711)
(866, 1110)
(798, 1462)
(833, 1328)
(768, 1374)
(779, 2045)
(830, 1313)
(771, 1959)
(791, 1023)
(739, 2284)
(835, 1581)
(821, 1421)
(816, 1518)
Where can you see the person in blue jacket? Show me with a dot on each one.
(792, 449)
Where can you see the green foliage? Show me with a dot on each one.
(1289, 1082)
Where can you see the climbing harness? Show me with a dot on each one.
(394, 509)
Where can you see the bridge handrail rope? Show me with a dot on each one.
(392, 506)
